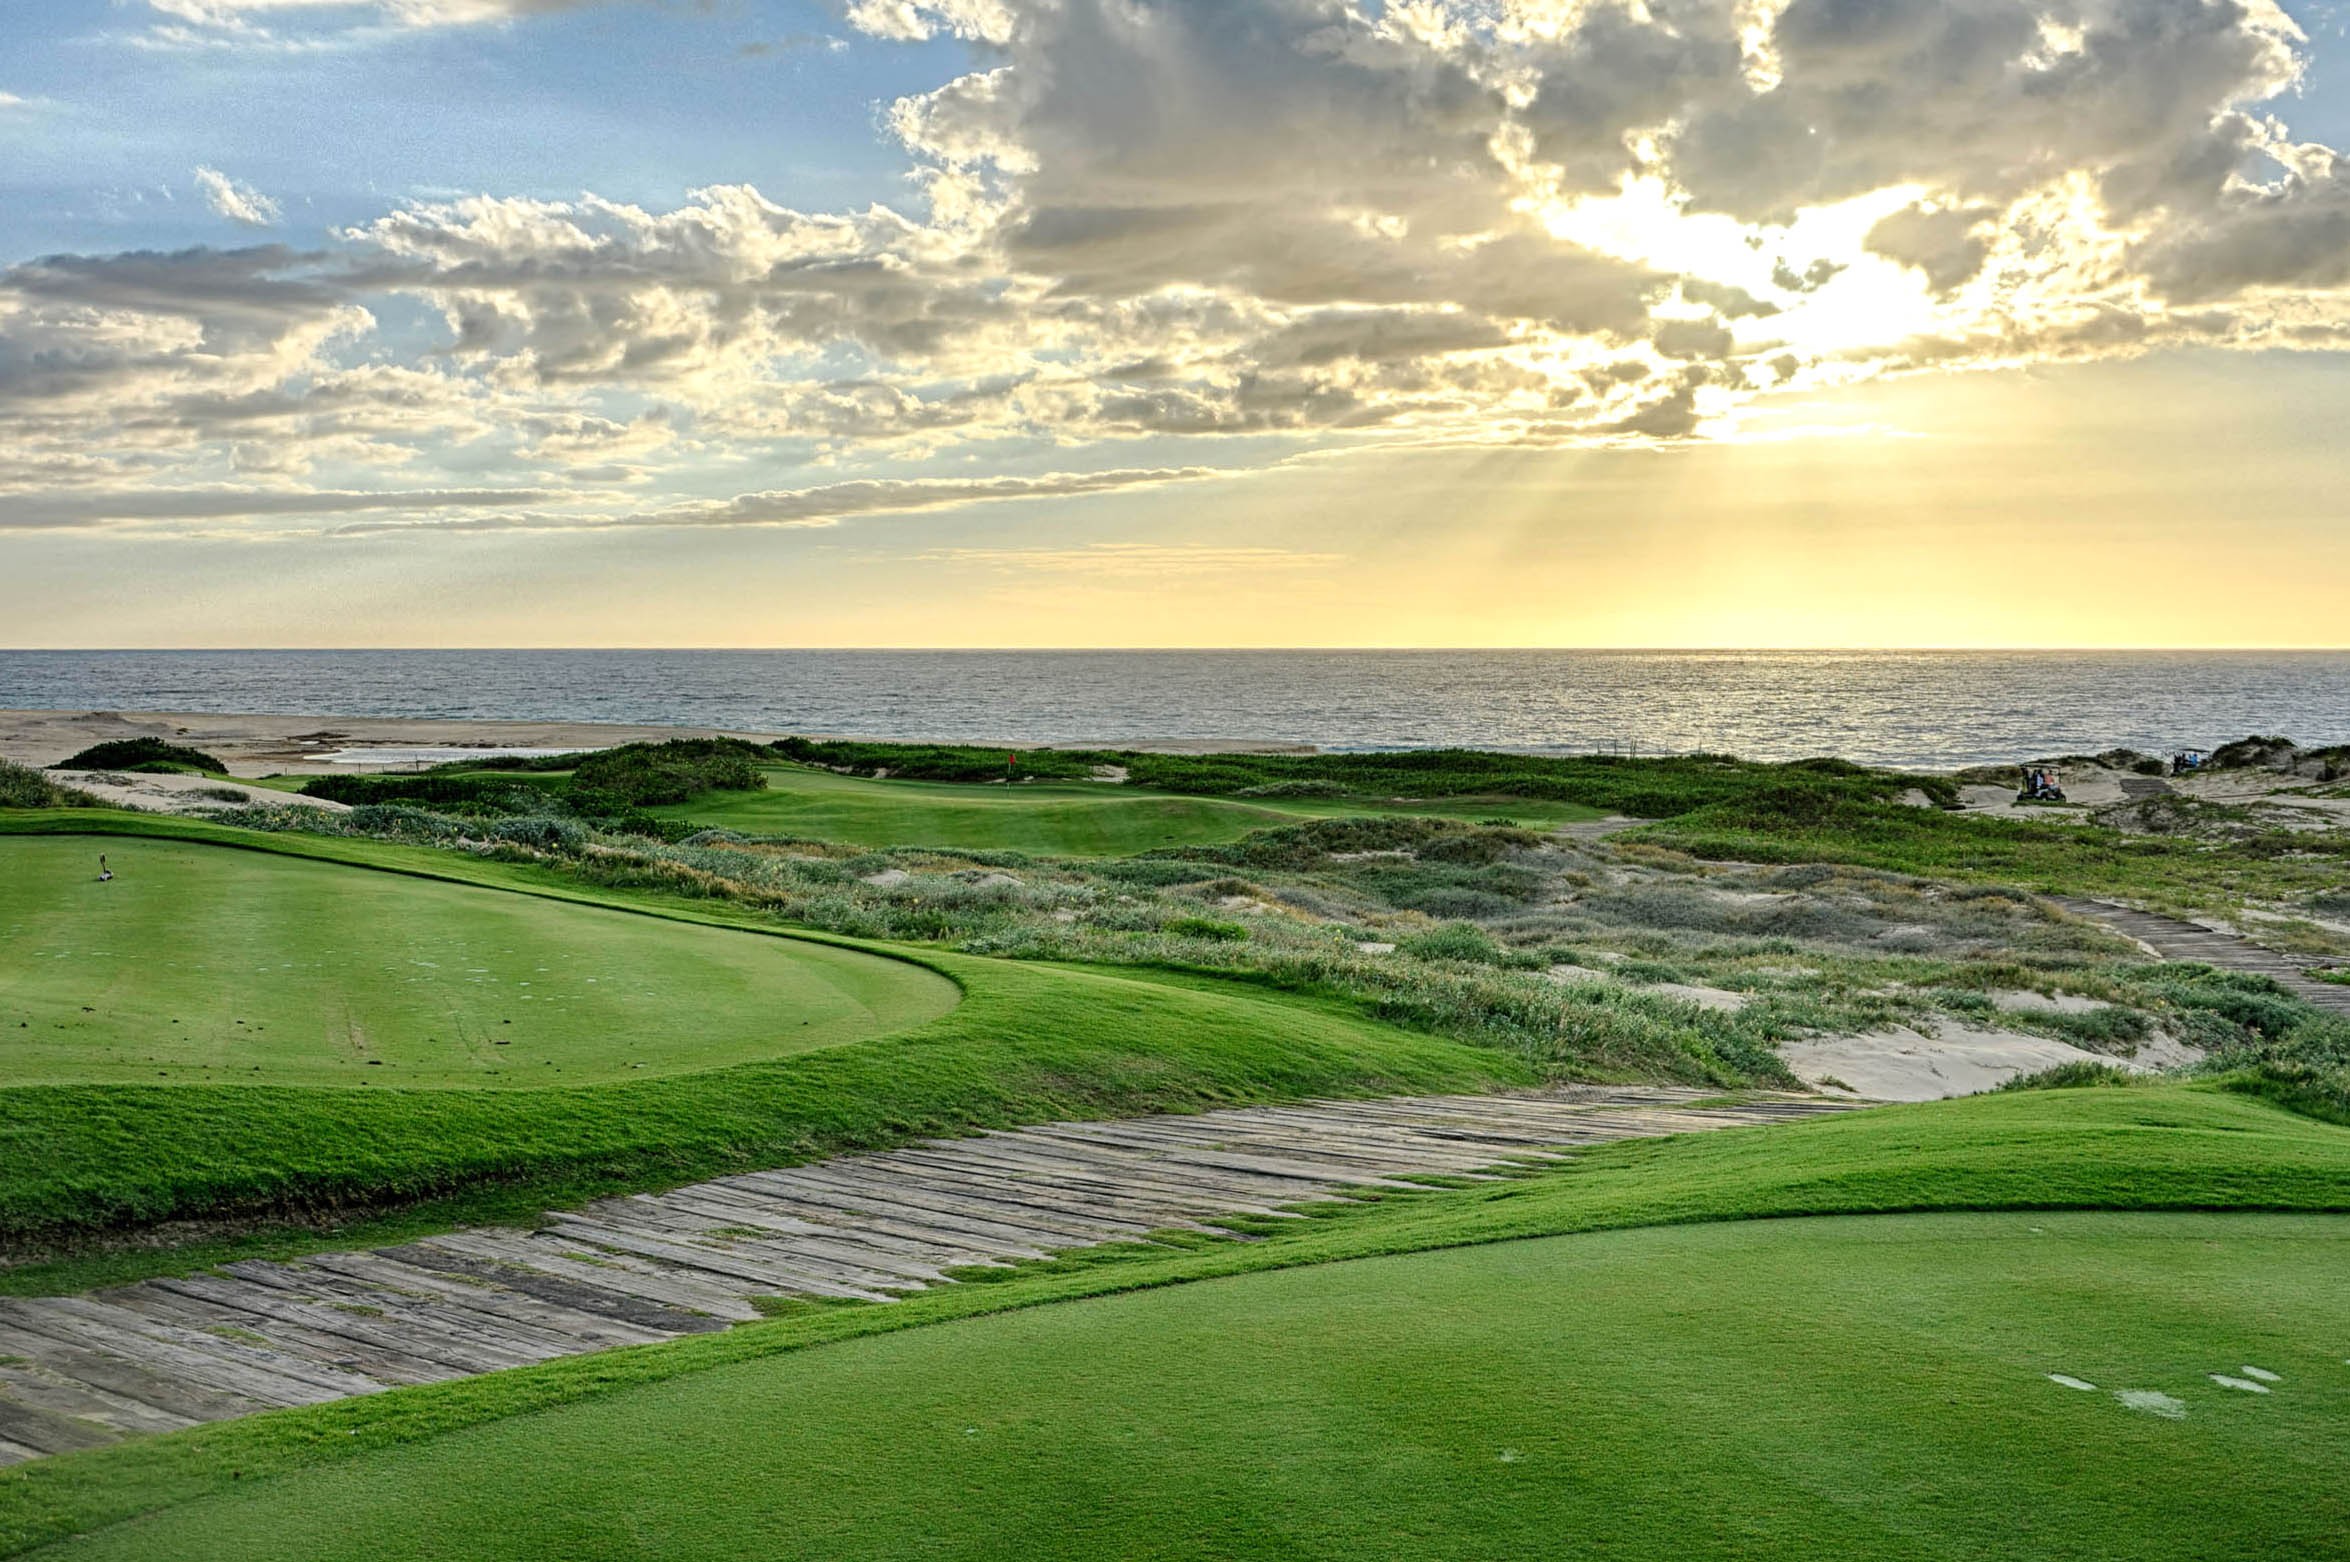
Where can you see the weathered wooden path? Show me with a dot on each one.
(80, 1371)
(2173, 939)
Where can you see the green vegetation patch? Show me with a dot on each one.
(1861, 1389)
(1074, 819)
(199, 963)
(24, 788)
(132, 753)
(1646, 788)
(2180, 871)
(1798, 1390)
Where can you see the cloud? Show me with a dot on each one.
(827, 505)
(239, 203)
(1133, 560)
(215, 22)
(11, 100)
(103, 509)
(1272, 224)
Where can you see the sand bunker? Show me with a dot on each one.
(2071, 1382)
(2243, 1385)
(1944, 1059)
(167, 793)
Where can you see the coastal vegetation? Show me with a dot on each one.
(140, 754)
(2023, 1315)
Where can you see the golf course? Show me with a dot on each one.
(2073, 1317)
(421, 1176)
(1075, 819)
(200, 962)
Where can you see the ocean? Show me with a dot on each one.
(1921, 709)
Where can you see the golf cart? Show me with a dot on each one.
(2041, 785)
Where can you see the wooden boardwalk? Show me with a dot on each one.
(2173, 939)
(81, 1371)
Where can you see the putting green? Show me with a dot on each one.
(1072, 820)
(1862, 1388)
(207, 964)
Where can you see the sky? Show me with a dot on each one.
(1174, 322)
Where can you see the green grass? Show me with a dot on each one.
(1801, 1388)
(203, 964)
(1073, 819)
(2071, 859)
(1028, 1043)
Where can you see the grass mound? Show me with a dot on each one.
(131, 753)
(1797, 1388)
(203, 964)
(643, 774)
(1064, 819)
(89, 1158)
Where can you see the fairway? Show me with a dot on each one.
(1076, 819)
(1860, 1387)
(204, 964)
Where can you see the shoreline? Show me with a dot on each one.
(252, 744)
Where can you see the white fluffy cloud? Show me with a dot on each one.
(1300, 220)
(239, 203)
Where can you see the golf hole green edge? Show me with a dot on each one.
(84, 1164)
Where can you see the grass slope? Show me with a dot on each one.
(1079, 819)
(1027, 1043)
(1803, 1389)
(1864, 1389)
(203, 964)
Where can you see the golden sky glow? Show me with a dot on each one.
(1149, 322)
(2165, 502)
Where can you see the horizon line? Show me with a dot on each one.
(1163, 650)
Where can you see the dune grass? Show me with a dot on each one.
(2172, 871)
(1813, 1388)
(199, 963)
(1028, 1042)
(1071, 819)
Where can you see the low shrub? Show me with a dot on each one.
(2074, 1076)
(646, 775)
(23, 788)
(131, 753)
(1208, 928)
(1463, 941)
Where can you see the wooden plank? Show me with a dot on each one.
(798, 1255)
(962, 1244)
(378, 1362)
(318, 1300)
(543, 1263)
(472, 1297)
(203, 1360)
(44, 1390)
(1108, 1177)
(763, 1275)
(45, 1431)
(657, 1319)
(898, 1201)
(177, 1398)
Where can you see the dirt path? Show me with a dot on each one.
(78, 1372)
